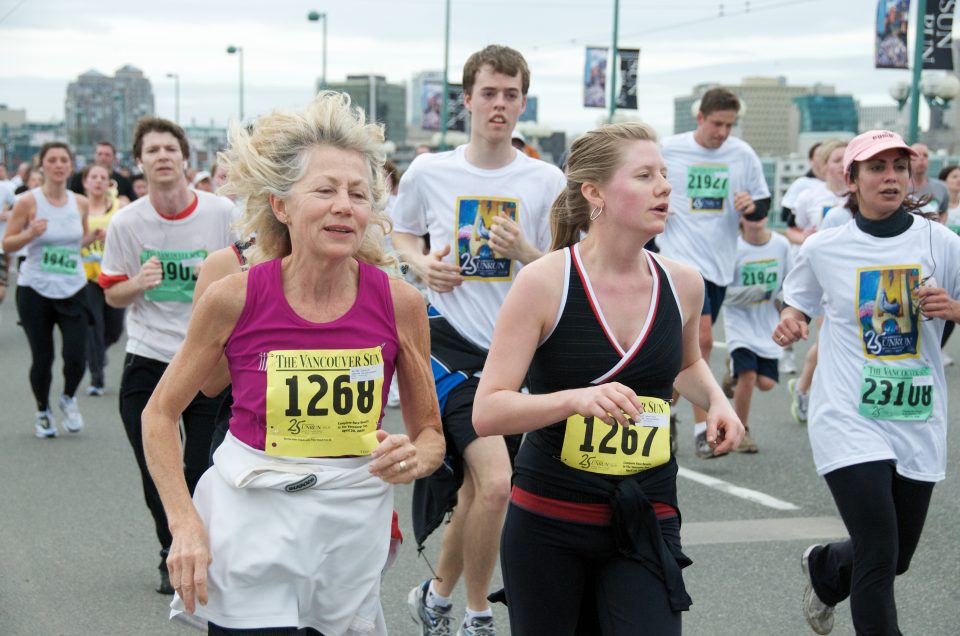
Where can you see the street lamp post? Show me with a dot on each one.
(445, 108)
(176, 96)
(314, 16)
(613, 58)
(239, 51)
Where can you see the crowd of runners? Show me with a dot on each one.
(274, 305)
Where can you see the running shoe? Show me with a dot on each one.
(798, 402)
(704, 450)
(45, 425)
(479, 626)
(747, 445)
(72, 420)
(788, 363)
(729, 384)
(433, 621)
(165, 587)
(95, 391)
(819, 615)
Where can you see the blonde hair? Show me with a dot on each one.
(593, 158)
(274, 156)
(826, 149)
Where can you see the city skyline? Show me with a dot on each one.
(806, 41)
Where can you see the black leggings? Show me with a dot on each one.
(884, 514)
(550, 568)
(106, 329)
(38, 316)
(216, 630)
(140, 377)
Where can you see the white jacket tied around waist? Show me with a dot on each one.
(295, 542)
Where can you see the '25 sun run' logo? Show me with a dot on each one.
(474, 220)
(888, 311)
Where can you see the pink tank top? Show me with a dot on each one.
(324, 370)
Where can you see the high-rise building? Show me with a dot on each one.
(877, 117)
(99, 107)
(383, 102)
(827, 113)
(530, 112)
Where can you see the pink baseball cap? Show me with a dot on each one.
(872, 143)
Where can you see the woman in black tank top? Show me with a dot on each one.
(591, 543)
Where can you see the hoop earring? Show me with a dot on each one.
(596, 212)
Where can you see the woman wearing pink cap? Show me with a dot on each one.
(877, 421)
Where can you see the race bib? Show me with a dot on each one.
(596, 446)
(764, 273)
(896, 393)
(179, 268)
(323, 403)
(57, 259)
(707, 187)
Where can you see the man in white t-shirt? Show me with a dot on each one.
(486, 208)
(716, 179)
(150, 259)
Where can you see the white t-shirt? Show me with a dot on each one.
(871, 328)
(157, 320)
(953, 219)
(7, 200)
(751, 326)
(445, 196)
(797, 188)
(836, 216)
(703, 225)
(812, 205)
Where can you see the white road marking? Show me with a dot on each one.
(754, 530)
(737, 491)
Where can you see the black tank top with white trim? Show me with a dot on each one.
(581, 351)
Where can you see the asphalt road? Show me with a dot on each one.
(78, 554)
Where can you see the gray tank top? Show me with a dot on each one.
(53, 268)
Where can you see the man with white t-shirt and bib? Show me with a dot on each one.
(150, 260)
(486, 208)
(716, 179)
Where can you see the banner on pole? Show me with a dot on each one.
(938, 34)
(629, 63)
(595, 78)
(891, 36)
(456, 109)
(431, 103)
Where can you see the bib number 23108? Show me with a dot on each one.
(323, 403)
(597, 446)
(895, 393)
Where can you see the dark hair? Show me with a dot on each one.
(912, 204)
(107, 143)
(50, 145)
(718, 99)
(157, 124)
(946, 171)
(813, 150)
(503, 59)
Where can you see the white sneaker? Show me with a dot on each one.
(788, 363)
(819, 615)
(72, 420)
(45, 425)
(799, 402)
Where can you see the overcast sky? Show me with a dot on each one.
(44, 44)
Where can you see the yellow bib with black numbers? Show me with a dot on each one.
(596, 446)
(323, 402)
(895, 393)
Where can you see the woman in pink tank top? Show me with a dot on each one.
(290, 527)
